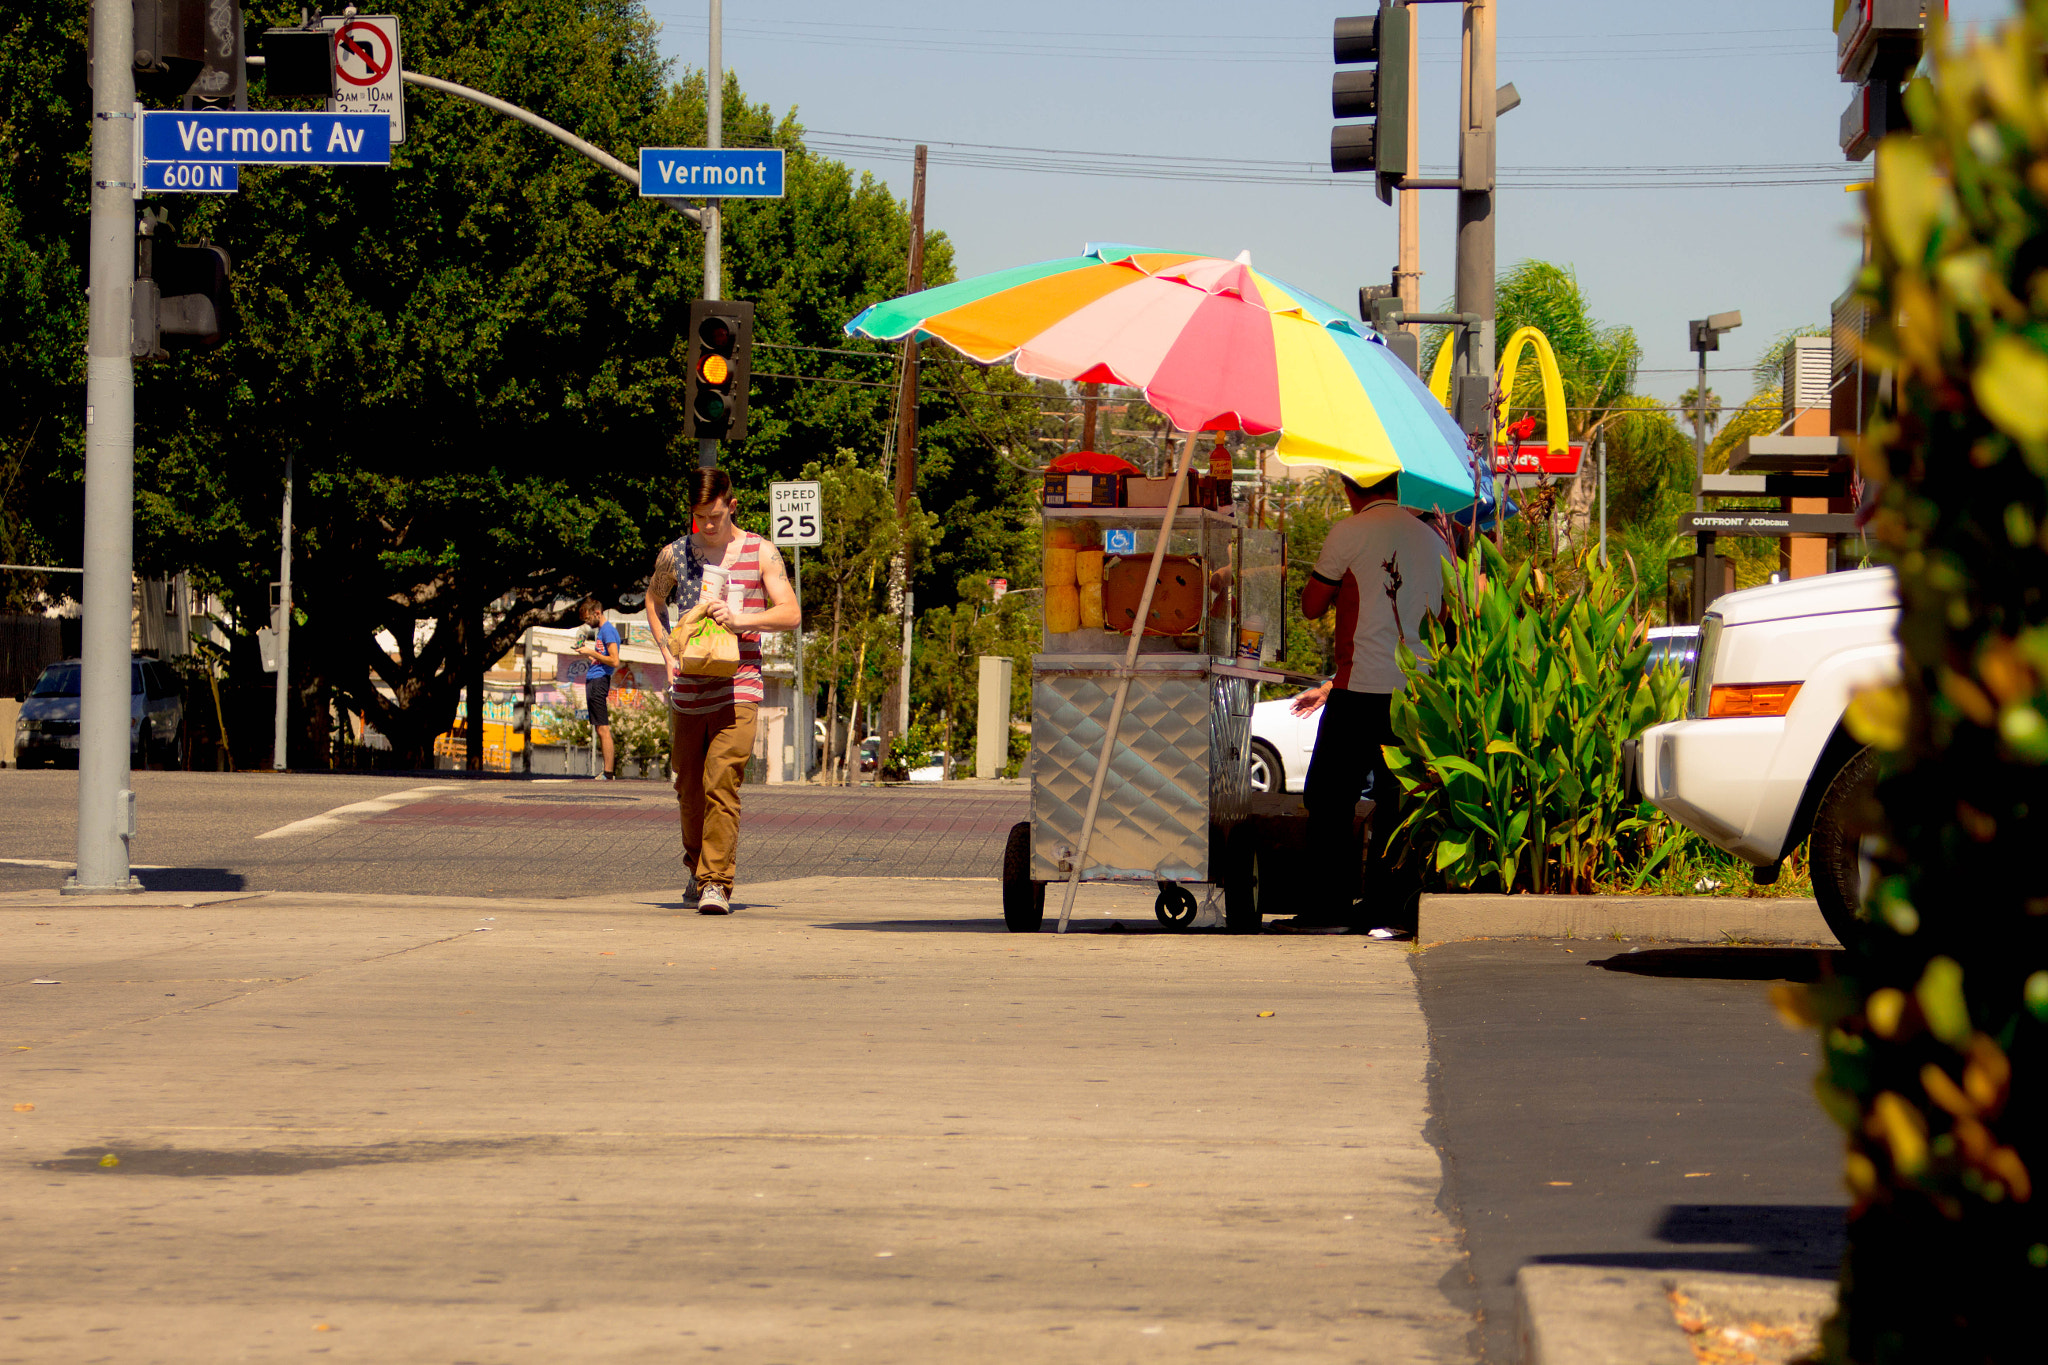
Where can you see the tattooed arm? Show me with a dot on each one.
(660, 588)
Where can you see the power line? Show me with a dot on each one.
(1244, 171)
(1239, 49)
(823, 350)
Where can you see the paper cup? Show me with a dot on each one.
(714, 583)
(1249, 643)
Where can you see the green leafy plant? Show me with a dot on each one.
(1510, 746)
(1935, 1030)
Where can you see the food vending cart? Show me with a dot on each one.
(1174, 807)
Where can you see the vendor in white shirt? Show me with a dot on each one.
(1382, 568)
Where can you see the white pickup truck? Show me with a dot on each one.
(1762, 759)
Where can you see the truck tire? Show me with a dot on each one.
(1023, 899)
(1835, 848)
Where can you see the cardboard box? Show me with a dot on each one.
(1152, 492)
(1084, 490)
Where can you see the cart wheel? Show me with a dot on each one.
(1175, 907)
(1243, 899)
(1023, 899)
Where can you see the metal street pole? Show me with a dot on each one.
(106, 806)
(714, 131)
(1699, 437)
(284, 626)
(526, 718)
(1603, 499)
(1475, 284)
(803, 692)
(1408, 274)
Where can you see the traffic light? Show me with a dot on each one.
(720, 360)
(181, 294)
(298, 63)
(186, 48)
(1379, 43)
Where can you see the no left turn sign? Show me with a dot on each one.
(368, 68)
(363, 53)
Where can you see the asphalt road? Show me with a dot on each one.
(1602, 1106)
(464, 837)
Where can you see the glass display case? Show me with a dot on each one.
(1219, 581)
(1177, 780)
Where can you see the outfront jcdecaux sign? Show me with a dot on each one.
(274, 139)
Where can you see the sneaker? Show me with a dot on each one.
(714, 901)
(692, 893)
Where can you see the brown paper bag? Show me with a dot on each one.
(702, 648)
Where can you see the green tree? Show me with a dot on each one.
(858, 642)
(472, 357)
(951, 641)
(42, 253)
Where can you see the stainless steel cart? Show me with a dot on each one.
(1176, 801)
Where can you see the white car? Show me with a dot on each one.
(1762, 758)
(1281, 745)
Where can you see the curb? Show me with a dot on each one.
(1595, 1315)
(1682, 919)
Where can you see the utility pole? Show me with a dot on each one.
(712, 211)
(895, 718)
(283, 624)
(106, 806)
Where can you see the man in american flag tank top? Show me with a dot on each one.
(711, 720)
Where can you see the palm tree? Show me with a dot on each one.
(1689, 402)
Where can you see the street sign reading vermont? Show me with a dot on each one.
(707, 173)
(269, 139)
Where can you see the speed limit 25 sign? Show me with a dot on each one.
(796, 513)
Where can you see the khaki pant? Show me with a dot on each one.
(709, 754)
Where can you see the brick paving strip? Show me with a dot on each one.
(501, 838)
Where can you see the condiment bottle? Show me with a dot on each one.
(1219, 468)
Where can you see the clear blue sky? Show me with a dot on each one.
(1647, 84)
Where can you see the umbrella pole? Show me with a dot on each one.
(1123, 685)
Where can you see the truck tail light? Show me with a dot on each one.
(1752, 699)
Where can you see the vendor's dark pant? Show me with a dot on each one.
(1348, 751)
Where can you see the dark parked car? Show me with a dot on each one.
(47, 732)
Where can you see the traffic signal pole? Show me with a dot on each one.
(105, 803)
(714, 131)
(1408, 267)
(1475, 281)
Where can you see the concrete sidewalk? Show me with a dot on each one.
(854, 1121)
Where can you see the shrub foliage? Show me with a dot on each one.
(1934, 1029)
(1510, 745)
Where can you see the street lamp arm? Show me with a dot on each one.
(553, 130)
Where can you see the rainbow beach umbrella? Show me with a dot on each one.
(1215, 345)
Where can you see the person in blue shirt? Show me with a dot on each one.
(602, 649)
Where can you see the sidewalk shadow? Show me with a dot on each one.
(191, 879)
(1726, 964)
(1805, 1241)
